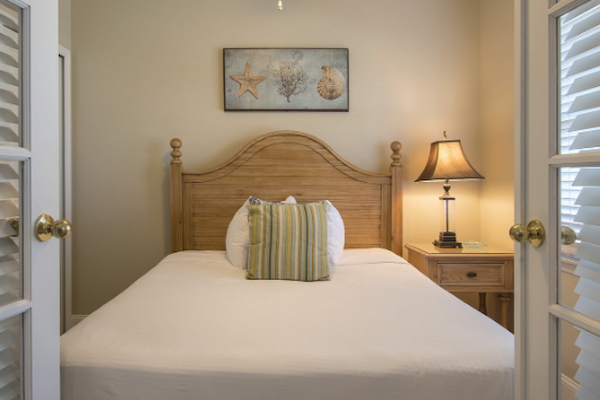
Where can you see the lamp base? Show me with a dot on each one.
(447, 241)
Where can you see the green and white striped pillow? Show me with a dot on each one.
(288, 241)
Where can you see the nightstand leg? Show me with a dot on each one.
(482, 304)
(504, 302)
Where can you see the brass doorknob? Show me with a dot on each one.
(567, 235)
(11, 227)
(46, 228)
(534, 232)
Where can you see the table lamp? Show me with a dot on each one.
(447, 161)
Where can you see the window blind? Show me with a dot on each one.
(580, 187)
(10, 171)
(10, 356)
(9, 77)
(580, 96)
(10, 268)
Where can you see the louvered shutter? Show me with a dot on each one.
(10, 268)
(588, 287)
(10, 134)
(10, 265)
(580, 187)
(10, 356)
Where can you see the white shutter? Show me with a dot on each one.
(10, 267)
(580, 79)
(10, 355)
(10, 134)
(580, 102)
(588, 287)
(580, 187)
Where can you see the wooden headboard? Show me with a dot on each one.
(274, 166)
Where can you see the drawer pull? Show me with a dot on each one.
(471, 274)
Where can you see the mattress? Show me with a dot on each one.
(194, 328)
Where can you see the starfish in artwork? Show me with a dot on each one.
(248, 81)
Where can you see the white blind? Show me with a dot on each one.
(10, 358)
(579, 104)
(580, 187)
(10, 268)
(10, 265)
(10, 134)
(588, 286)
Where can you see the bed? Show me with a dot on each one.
(194, 327)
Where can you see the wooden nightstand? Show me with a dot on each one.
(485, 269)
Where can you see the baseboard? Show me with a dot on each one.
(568, 388)
(75, 319)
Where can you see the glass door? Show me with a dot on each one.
(558, 307)
(29, 274)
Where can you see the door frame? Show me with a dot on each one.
(554, 311)
(66, 191)
(524, 322)
(520, 186)
(43, 373)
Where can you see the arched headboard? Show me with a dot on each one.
(274, 166)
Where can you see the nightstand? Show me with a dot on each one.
(485, 269)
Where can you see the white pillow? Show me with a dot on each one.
(336, 236)
(238, 235)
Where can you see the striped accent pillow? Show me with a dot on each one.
(288, 241)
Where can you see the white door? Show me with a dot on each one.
(557, 313)
(29, 269)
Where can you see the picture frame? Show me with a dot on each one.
(286, 79)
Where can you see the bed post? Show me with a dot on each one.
(176, 197)
(396, 191)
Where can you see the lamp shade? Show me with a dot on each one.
(447, 161)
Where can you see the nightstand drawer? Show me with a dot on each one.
(472, 274)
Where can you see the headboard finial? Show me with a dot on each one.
(396, 147)
(176, 145)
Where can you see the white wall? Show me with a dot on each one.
(145, 71)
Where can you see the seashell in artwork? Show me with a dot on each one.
(332, 85)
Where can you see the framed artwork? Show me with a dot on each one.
(285, 79)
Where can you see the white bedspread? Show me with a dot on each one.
(194, 328)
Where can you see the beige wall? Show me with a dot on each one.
(146, 71)
(497, 121)
(64, 23)
(496, 130)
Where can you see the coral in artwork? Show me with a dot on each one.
(290, 78)
(332, 85)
